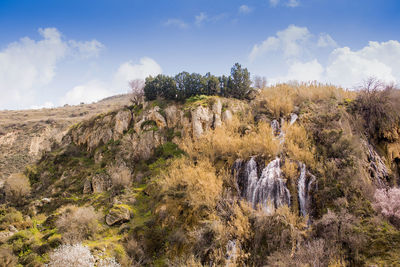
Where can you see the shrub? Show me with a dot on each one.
(282, 230)
(136, 91)
(121, 176)
(297, 144)
(276, 100)
(196, 186)
(16, 188)
(7, 258)
(379, 106)
(77, 223)
(387, 202)
(108, 262)
(71, 255)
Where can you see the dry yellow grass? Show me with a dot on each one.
(280, 100)
(297, 144)
(233, 140)
(189, 191)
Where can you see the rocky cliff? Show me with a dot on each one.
(287, 179)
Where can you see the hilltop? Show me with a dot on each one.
(296, 175)
(25, 134)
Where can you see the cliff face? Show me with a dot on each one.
(26, 134)
(287, 178)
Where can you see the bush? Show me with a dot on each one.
(77, 224)
(387, 202)
(281, 231)
(195, 185)
(121, 176)
(379, 106)
(7, 258)
(16, 188)
(71, 255)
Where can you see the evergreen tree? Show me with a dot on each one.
(239, 82)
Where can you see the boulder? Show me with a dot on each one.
(98, 183)
(118, 215)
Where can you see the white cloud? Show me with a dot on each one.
(288, 3)
(290, 41)
(325, 40)
(274, 3)
(305, 71)
(129, 71)
(95, 90)
(27, 65)
(299, 54)
(47, 104)
(177, 23)
(292, 3)
(202, 18)
(86, 49)
(89, 92)
(244, 9)
(381, 60)
(199, 19)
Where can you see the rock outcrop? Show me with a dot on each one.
(117, 215)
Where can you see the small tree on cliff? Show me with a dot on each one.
(239, 82)
(136, 91)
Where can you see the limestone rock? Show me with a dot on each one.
(157, 117)
(202, 120)
(226, 116)
(117, 215)
(217, 109)
(172, 117)
(122, 121)
(97, 184)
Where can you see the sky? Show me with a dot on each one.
(71, 51)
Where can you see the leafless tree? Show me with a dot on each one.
(136, 91)
(259, 82)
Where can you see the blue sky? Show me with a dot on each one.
(70, 51)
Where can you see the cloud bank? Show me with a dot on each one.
(95, 90)
(301, 52)
(27, 65)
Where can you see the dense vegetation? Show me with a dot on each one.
(103, 198)
(185, 85)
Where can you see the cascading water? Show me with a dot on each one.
(303, 188)
(269, 190)
(301, 183)
(293, 118)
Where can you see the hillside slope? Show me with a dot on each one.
(286, 179)
(25, 134)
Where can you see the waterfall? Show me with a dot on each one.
(293, 118)
(303, 188)
(269, 190)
